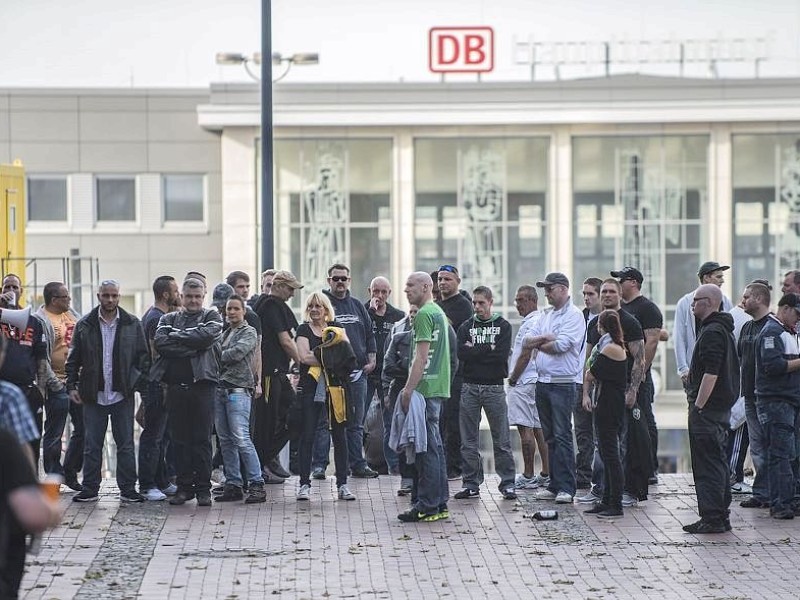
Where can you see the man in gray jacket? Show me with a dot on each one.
(188, 343)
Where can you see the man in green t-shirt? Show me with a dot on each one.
(430, 376)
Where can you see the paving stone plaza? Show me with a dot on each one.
(490, 548)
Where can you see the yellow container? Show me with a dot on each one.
(12, 218)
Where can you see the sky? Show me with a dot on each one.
(172, 43)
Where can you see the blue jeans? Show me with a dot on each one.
(555, 402)
(432, 491)
(232, 420)
(152, 449)
(95, 420)
(779, 420)
(492, 399)
(56, 407)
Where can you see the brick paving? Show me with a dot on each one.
(489, 548)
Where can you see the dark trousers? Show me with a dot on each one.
(269, 417)
(780, 420)
(738, 442)
(35, 403)
(190, 416)
(152, 449)
(450, 427)
(56, 407)
(645, 398)
(584, 438)
(708, 440)
(73, 458)
(609, 418)
(95, 418)
(314, 413)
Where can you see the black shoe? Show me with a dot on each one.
(596, 509)
(509, 494)
(753, 502)
(85, 496)
(276, 468)
(412, 515)
(466, 493)
(364, 473)
(131, 497)
(453, 475)
(256, 494)
(610, 512)
(72, 483)
(702, 526)
(784, 514)
(653, 480)
(203, 498)
(230, 493)
(181, 497)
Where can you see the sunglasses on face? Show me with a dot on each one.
(339, 278)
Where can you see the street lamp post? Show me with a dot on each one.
(265, 80)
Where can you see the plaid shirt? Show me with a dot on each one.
(15, 416)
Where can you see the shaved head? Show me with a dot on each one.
(419, 288)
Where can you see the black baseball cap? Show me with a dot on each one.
(628, 273)
(554, 279)
(710, 267)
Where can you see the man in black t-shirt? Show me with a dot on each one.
(269, 419)
(457, 306)
(652, 321)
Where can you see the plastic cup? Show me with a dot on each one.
(51, 485)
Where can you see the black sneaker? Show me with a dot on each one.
(203, 498)
(753, 502)
(71, 481)
(85, 496)
(256, 494)
(131, 496)
(783, 515)
(230, 493)
(277, 469)
(702, 526)
(596, 509)
(610, 512)
(364, 473)
(466, 493)
(181, 497)
(509, 494)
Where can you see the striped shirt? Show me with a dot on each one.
(108, 331)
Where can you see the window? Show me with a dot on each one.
(183, 197)
(116, 198)
(47, 198)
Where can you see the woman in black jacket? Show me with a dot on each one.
(608, 373)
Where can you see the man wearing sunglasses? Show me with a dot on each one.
(457, 306)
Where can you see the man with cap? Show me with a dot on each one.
(270, 418)
(651, 320)
(558, 340)
(687, 324)
(778, 402)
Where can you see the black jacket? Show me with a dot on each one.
(715, 353)
(131, 358)
(485, 359)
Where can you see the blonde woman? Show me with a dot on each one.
(319, 316)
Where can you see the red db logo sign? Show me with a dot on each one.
(461, 49)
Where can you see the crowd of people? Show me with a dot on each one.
(245, 378)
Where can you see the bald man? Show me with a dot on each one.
(430, 376)
(383, 316)
(712, 388)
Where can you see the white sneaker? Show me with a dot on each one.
(628, 500)
(589, 498)
(154, 495)
(345, 493)
(304, 493)
(563, 498)
(741, 488)
(526, 483)
(170, 490)
(217, 476)
(545, 495)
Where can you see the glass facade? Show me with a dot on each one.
(333, 199)
(766, 207)
(481, 204)
(641, 201)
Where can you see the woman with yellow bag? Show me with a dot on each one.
(326, 359)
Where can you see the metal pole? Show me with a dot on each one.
(267, 217)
